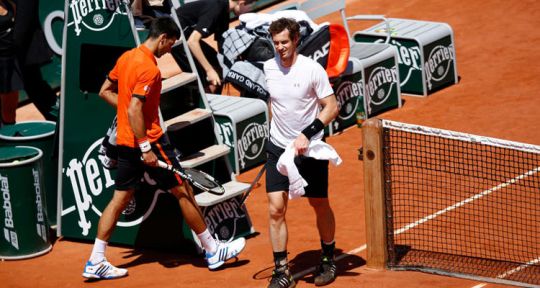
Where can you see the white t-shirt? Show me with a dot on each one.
(294, 94)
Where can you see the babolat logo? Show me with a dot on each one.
(223, 218)
(89, 179)
(9, 225)
(438, 63)
(380, 84)
(95, 15)
(40, 215)
(347, 97)
(251, 143)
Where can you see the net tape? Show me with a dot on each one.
(429, 131)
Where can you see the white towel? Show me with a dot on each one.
(317, 149)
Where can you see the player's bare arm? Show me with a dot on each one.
(330, 109)
(136, 121)
(328, 113)
(108, 92)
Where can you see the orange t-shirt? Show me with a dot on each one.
(136, 73)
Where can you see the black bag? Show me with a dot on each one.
(316, 46)
(260, 50)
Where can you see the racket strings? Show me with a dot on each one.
(205, 182)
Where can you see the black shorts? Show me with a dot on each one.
(314, 171)
(131, 168)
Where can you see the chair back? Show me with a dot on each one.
(338, 54)
(319, 8)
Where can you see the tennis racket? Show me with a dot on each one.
(197, 178)
(255, 181)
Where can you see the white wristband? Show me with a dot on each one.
(145, 146)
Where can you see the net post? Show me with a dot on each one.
(374, 199)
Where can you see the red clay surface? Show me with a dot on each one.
(497, 55)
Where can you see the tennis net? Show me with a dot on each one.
(461, 205)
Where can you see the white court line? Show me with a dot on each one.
(479, 285)
(470, 199)
(519, 268)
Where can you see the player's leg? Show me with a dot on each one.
(128, 176)
(316, 174)
(97, 266)
(277, 205)
(216, 252)
(276, 188)
(112, 212)
(190, 210)
(326, 225)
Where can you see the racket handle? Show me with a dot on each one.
(164, 165)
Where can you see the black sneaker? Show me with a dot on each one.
(282, 279)
(326, 273)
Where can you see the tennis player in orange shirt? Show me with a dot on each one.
(134, 88)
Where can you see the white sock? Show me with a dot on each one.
(329, 243)
(208, 242)
(98, 252)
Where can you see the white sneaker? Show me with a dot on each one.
(224, 252)
(103, 270)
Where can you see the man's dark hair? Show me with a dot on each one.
(285, 23)
(162, 25)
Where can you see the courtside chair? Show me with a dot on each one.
(371, 74)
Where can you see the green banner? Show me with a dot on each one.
(410, 62)
(51, 16)
(97, 33)
(349, 91)
(227, 219)
(247, 140)
(381, 87)
(439, 64)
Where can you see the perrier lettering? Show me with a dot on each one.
(381, 78)
(82, 8)
(438, 63)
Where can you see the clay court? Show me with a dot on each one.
(497, 59)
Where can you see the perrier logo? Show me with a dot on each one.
(438, 63)
(251, 143)
(346, 95)
(95, 15)
(380, 84)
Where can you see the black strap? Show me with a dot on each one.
(140, 97)
(315, 127)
